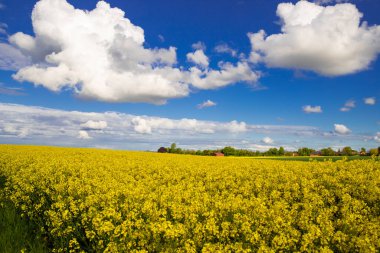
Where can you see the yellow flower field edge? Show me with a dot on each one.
(88, 200)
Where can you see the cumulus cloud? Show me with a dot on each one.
(312, 109)
(348, 106)
(341, 129)
(100, 54)
(267, 140)
(83, 135)
(229, 73)
(205, 104)
(94, 125)
(370, 101)
(198, 57)
(225, 48)
(329, 40)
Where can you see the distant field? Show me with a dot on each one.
(117, 201)
(316, 158)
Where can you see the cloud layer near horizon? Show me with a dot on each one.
(38, 125)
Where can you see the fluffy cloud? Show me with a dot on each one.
(229, 73)
(341, 129)
(100, 54)
(312, 109)
(370, 101)
(205, 104)
(94, 125)
(350, 104)
(329, 40)
(83, 135)
(225, 48)
(267, 140)
(198, 57)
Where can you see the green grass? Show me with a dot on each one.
(17, 233)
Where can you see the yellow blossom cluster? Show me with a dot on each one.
(88, 200)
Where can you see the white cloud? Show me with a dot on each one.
(148, 125)
(198, 57)
(225, 48)
(2, 6)
(370, 101)
(377, 137)
(329, 40)
(31, 125)
(341, 129)
(100, 54)
(350, 104)
(83, 135)
(205, 104)
(312, 109)
(18, 131)
(229, 73)
(267, 140)
(94, 125)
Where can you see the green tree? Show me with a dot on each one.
(272, 152)
(347, 151)
(327, 152)
(172, 148)
(281, 151)
(305, 151)
(228, 151)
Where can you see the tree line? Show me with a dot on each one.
(231, 151)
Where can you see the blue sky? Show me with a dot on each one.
(198, 73)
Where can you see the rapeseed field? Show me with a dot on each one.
(88, 200)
